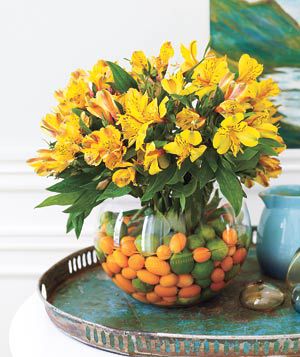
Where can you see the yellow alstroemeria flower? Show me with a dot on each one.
(70, 131)
(269, 168)
(231, 107)
(260, 92)
(233, 133)
(189, 119)
(208, 74)
(280, 149)
(262, 123)
(185, 145)
(75, 94)
(123, 177)
(103, 106)
(151, 158)
(139, 62)
(189, 55)
(51, 123)
(65, 128)
(176, 85)
(249, 69)
(101, 75)
(104, 145)
(162, 61)
(139, 114)
(54, 161)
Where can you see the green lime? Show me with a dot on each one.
(138, 243)
(188, 301)
(195, 241)
(204, 283)
(203, 270)
(107, 216)
(218, 225)
(207, 294)
(207, 232)
(218, 248)
(141, 286)
(233, 272)
(182, 263)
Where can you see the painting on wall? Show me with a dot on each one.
(269, 31)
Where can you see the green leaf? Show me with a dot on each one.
(86, 200)
(78, 224)
(182, 99)
(182, 201)
(62, 199)
(77, 111)
(211, 158)
(112, 191)
(122, 80)
(70, 225)
(70, 184)
(186, 190)
(266, 150)
(226, 163)
(204, 174)
(84, 127)
(247, 154)
(158, 183)
(231, 188)
(218, 97)
(130, 153)
(270, 142)
(179, 174)
(248, 164)
(160, 143)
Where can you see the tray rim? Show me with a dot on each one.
(145, 334)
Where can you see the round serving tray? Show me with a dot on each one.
(84, 304)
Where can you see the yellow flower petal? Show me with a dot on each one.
(191, 137)
(172, 148)
(123, 177)
(141, 136)
(249, 69)
(162, 107)
(221, 142)
(139, 62)
(195, 153)
(189, 55)
(249, 136)
(174, 84)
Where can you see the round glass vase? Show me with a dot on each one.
(163, 259)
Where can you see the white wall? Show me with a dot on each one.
(41, 43)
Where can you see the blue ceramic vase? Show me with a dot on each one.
(278, 235)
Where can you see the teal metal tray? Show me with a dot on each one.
(83, 303)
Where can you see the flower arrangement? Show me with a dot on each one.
(158, 136)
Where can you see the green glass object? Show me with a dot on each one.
(261, 296)
(293, 274)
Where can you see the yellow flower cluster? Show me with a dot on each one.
(141, 121)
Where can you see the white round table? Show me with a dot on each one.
(32, 334)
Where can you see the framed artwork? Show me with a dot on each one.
(269, 31)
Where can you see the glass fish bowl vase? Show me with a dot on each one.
(163, 259)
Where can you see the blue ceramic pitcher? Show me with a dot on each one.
(278, 235)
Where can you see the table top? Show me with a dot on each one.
(32, 334)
